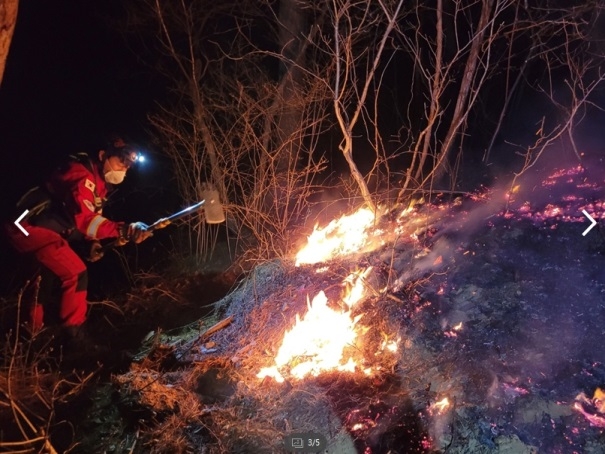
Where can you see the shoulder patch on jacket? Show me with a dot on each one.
(89, 185)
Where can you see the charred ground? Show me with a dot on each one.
(498, 309)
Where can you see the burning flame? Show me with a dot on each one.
(391, 346)
(592, 409)
(440, 407)
(317, 342)
(342, 236)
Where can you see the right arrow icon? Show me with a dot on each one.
(592, 222)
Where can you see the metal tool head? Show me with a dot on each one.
(213, 208)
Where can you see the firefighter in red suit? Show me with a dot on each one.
(68, 210)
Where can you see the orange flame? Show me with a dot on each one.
(317, 342)
(440, 407)
(390, 345)
(340, 237)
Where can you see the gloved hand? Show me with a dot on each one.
(96, 252)
(160, 224)
(123, 235)
(138, 232)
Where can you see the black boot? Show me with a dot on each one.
(77, 341)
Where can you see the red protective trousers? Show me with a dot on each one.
(52, 251)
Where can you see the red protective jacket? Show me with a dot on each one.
(68, 207)
(71, 202)
(83, 191)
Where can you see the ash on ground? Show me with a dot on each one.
(498, 314)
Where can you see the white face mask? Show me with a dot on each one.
(115, 176)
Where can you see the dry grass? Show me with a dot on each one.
(31, 385)
(152, 389)
(217, 404)
(229, 409)
(30, 390)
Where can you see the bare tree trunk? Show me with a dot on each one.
(282, 126)
(460, 110)
(8, 19)
(343, 85)
(191, 68)
(424, 139)
(510, 91)
(509, 95)
(292, 28)
(201, 124)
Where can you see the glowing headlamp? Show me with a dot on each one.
(133, 157)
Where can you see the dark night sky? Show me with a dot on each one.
(70, 80)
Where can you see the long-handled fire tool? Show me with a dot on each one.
(213, 211)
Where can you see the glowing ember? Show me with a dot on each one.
(592, 409)
(391, 346)
(440, 407)
(340, 237)
(355, 289)
(595, 420)
(599, 400)
(453, 332)
(317, 342)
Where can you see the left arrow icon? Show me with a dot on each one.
(19, 219)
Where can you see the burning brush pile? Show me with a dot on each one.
(468, 324)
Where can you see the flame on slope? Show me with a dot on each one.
(439, 407)
(592, 409)
(316, 343)
(342, 236)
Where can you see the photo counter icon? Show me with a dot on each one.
(305, 442)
